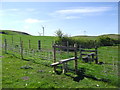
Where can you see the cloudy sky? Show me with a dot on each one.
(73, 18)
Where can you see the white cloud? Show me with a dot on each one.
(79, 12)
(83, 10)
(13, 9)
(72, 17)
(30, 20)
(26, 27)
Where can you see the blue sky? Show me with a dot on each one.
(73, 18)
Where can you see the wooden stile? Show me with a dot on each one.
(89, 56)
(64, 61)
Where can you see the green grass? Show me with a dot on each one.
(41, 75)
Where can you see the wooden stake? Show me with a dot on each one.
(21, 49)
(54, 57)
(5, 41)
(75, 45)
(12, 40)
(67, 48)
(96, 60)
(80, 52)
(29, 44)
(39, 45)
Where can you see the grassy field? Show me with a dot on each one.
(37, 73)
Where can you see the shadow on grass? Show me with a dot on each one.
(81, 75)
(14, 56)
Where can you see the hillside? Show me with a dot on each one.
(114, 36)
(11, 32)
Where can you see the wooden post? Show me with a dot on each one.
(21, 49)
(20, 45)
(67, 54)
(12, 40)
(80, 52)
(96, 60)
(64, 66)
(29, 44)
(75, 45)
(12, 43)
(39, 45)
(92, 57)
(67, 48)
(5, 41)
(54, 57)
(20, 39)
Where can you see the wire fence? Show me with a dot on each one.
(25, 50)
(39, 50)
(108, 57)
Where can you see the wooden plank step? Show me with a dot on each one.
(55, 64)
(66, 60)
(85, 57)
(63, 61)
(91, 54)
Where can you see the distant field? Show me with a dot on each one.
(37, 72)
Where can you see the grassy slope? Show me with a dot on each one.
(114, 36)
(42, 75)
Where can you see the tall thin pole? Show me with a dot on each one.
(43, 30)
(84, 32)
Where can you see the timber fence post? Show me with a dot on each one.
(75, 50)
(21, 49)
(54, 57)
(5, 41)
(12, 40)
(96, 52)
(68, 48)
(39, 45)
(29, 44)
(80, 52)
